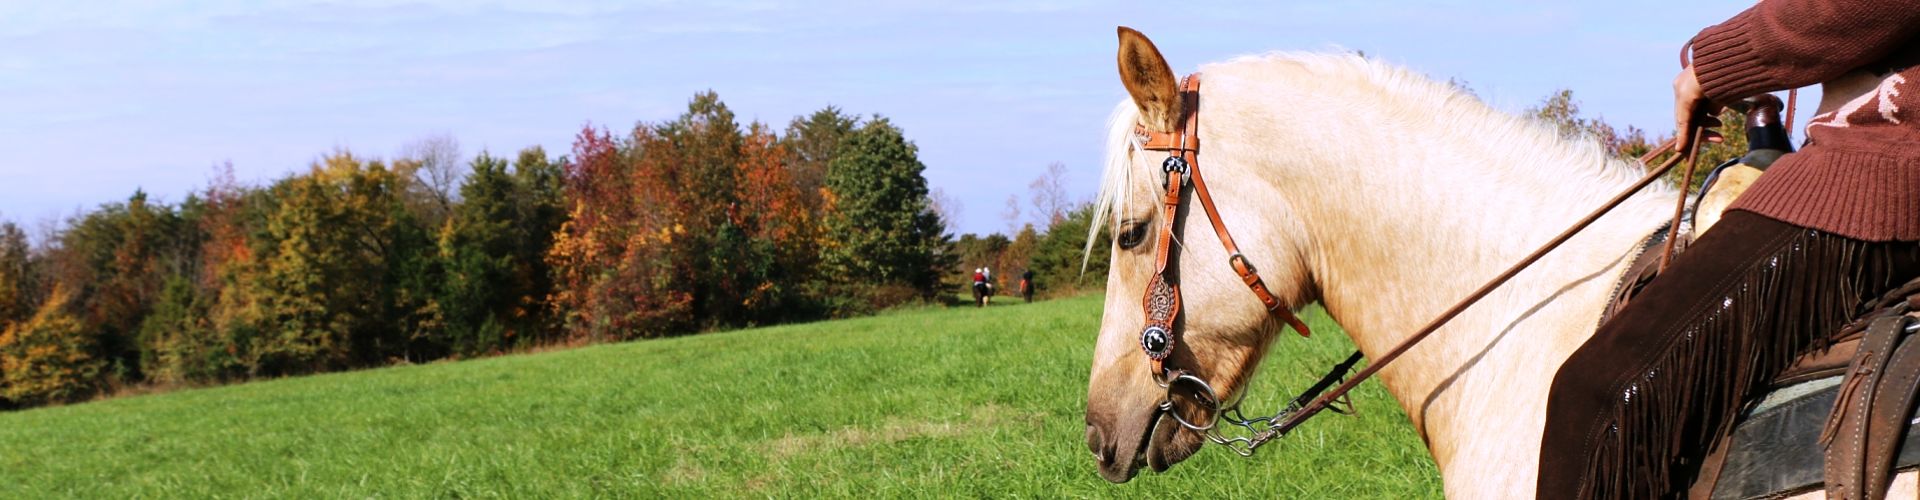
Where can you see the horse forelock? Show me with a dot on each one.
(1116, 174)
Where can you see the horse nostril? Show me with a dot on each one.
(1096, 445)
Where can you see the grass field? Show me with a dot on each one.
(926, 402)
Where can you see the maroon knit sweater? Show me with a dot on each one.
(1859, 174)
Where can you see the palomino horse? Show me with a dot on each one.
(1386, 196)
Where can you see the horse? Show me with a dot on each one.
(1385, 196)
(982, 291)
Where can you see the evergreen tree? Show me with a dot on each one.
(540, 211)
(16, 276)
(886, 230)
(1061, 261)
(179, 342)
(493, 249)
(814, 141)
(478, 247)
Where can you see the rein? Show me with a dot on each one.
(1162, 307)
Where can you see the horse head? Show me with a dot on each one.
(1127, 425)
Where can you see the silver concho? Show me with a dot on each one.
(1174, 164)
(1155, 342)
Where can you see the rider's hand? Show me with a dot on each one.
(1692, 109)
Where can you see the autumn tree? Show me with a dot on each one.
(1018, 257)
(614, 258)
(1562, 112)
(49, 357)
(344, 275)
(692, 223)
(113, 261)
(16, 286)
(785, 231)
(1732, 145)
(700, 154)
(885, 228)
(192, 334)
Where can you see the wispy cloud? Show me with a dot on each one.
(126, 94)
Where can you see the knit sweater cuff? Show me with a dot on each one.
(1725, 63)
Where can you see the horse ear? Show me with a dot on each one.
(1149, 80)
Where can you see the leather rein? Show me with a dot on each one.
(1162, 307)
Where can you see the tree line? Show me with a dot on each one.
(687, 225)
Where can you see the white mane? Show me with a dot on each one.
(1527, 149)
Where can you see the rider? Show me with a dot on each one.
(1026, 284)
(1826, 228)
(980, 286)
(987, 281)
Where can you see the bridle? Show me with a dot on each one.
(1162, 302)
(1162, 307)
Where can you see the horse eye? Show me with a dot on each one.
(1136, 233)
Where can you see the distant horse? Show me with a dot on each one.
(1386, 196)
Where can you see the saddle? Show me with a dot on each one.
(1843, 416)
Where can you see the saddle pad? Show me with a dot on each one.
(1776, 448)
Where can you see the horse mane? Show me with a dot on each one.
(1533, 148)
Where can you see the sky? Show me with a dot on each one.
(98, 99)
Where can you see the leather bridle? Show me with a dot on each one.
(1161, 304)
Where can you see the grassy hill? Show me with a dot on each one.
(935, 401)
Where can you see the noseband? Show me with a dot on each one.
(1161, 303)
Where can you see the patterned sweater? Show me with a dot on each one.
(1859, 174)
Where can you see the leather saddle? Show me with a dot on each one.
(1842, 417)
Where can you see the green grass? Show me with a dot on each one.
(928, 402)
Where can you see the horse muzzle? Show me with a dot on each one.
(1144, 434)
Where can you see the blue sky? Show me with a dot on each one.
(98, 99)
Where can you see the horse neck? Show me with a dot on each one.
(1422, 214)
